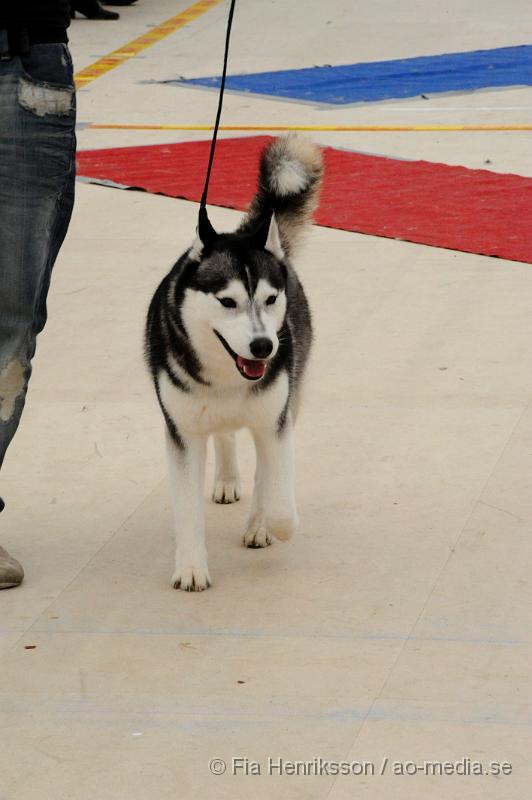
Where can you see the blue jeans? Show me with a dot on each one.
(37, 171)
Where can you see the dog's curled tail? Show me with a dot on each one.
(290, 174)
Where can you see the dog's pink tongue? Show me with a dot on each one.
(253, 368)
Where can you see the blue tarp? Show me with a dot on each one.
(384, 80)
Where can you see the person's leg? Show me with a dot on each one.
(37, 170)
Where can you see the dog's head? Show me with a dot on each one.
(234, 299)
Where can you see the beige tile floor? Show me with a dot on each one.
(396, 625)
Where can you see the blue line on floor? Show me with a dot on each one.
(384, 80)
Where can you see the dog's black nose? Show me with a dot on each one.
(261, 347)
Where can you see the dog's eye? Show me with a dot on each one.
(271, 299)
(227, 302)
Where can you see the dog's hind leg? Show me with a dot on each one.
(226, 477)
(273, 508)
(257, 533)
(186, 472)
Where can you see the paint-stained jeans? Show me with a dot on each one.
(37, 170)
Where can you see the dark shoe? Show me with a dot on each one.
(11, 572)
(92, 10)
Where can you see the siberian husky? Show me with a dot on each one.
(227, 338)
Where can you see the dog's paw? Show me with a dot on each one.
(191, 578)
(226, 491)
(283, 526)
(257, 533)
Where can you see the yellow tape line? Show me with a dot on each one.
(346, 128)
(127, 51)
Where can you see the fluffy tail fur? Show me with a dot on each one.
(290, 175)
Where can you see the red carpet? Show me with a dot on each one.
(475, 211)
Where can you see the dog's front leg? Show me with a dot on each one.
(226, 478)
(186, 472)
(273, 507)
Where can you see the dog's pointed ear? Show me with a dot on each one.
(205, 235)
(206, 232)
(273, 240)
(266, 236)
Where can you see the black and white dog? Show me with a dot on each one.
(228, 335)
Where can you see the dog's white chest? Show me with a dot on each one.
(207, 411)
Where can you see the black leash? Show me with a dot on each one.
(203, 201)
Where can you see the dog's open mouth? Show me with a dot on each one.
(252, 369)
